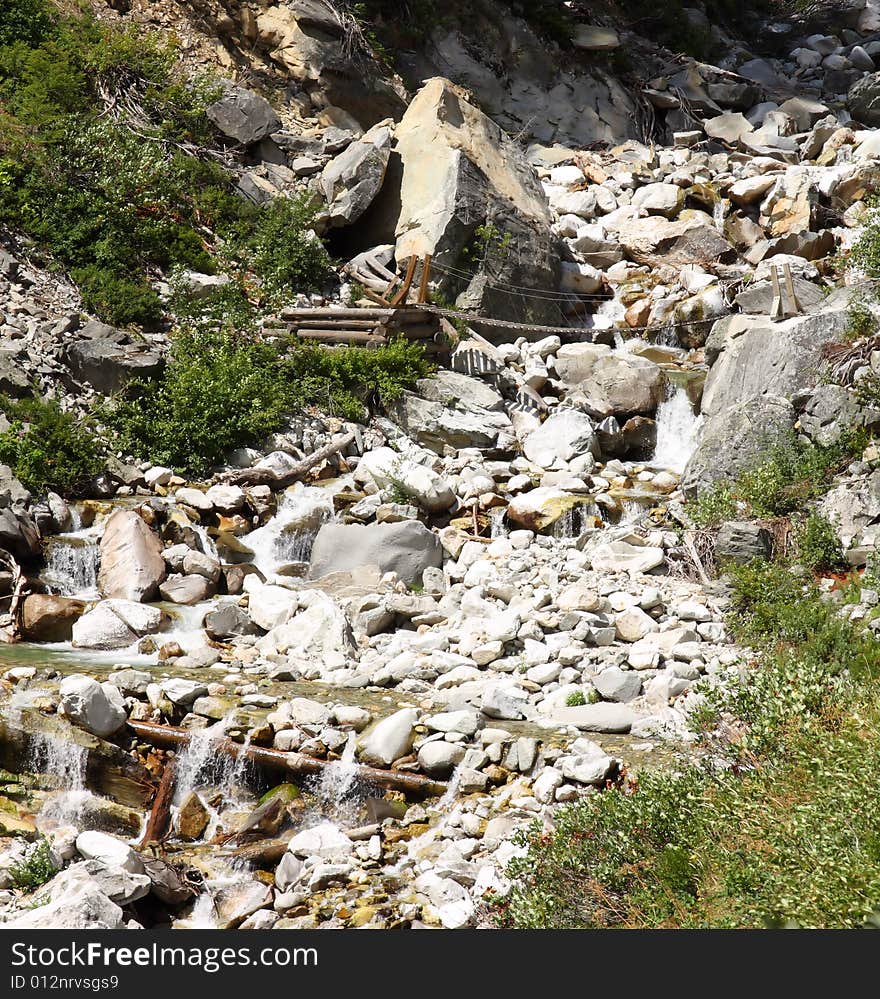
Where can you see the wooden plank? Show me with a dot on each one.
(426, 276)
(348, 324)
(407, 282)
(343, 336)
(325, 312)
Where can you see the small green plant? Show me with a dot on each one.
(26, 21)
(48, 449)
(712, 506)
(575, 699)
(489, 242)
(35, 869)
(819, 547)
(860, 321)
(791, 473)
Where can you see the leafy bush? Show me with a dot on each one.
(819, 547)
(35, 869)
(791, 473)
(47, 448)
(280, 245)
(223, 388)
(103, 164)
(23, 21)
(575, 699)
(219, 391)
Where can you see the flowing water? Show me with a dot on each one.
(206, 541)
(678, 428)
(337, 786)
(289, 535)
(66, 762)
(72, 562)
(575, 520)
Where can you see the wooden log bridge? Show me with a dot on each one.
(367, 327)
(298, 764)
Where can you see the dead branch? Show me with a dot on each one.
(267, 477)
(169, 736)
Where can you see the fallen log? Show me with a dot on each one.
(170, 737)
(330, 313)
(159, 823)
(268, 477)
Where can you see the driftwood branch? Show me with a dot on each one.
(159, 823)
(267, 477)
(691, 548)
(298, 764)
(10, 622)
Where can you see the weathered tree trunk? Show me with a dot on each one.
(159, 823)
(266, 477)
(10, 622)
(169, 736)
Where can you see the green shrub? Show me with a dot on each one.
(104, 164)
(575, 699)
(225, 388)
(280, 246)
(25, 21)
(819, 547)
(791, 473)
(219, 391)
(48, 449)
(36, 869)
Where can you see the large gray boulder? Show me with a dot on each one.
(734, 440)
(440, 426)
(18, 533)
(407, 548)
(614, 382)
(460, 172)
(762, 359)
(454, 387)
(116, 624)
(244, 116)
(742, 542)
(132, 566)
(107, 358)
(352, 180)
(566, 434)
(863, 100)
(73, 900)
(389, 739)
(96, 707)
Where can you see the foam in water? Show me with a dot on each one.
(289, 535)
(67, 762)
(677, 431)
(206, 541)
(72, 565)
(337, 784)
(201, 762)
(575, 520)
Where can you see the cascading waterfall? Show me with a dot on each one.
(497, 522)
(67, 762)
(200, 762)
(72, 562)
(338, 782)
(206, 541)
(289, 535)
(575, 520)
(677, 431)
